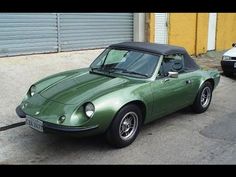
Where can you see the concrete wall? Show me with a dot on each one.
(226, 30)
(190, 30)
(202, 33)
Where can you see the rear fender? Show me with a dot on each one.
(212, 76)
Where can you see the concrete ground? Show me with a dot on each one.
(180, 138)
(210, 60)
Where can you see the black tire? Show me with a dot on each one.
(113, 134)
(197, 105)
(228, 74)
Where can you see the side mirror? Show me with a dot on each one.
(173, 74)
(234, 44)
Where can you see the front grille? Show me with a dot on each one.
(233, 58)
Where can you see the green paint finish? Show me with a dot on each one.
(66, 93)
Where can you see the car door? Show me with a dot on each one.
(171, 94)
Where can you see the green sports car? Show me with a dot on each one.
(129, 84)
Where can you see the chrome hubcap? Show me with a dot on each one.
(205, 97)
(128, 126)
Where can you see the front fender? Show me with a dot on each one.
(107, 106)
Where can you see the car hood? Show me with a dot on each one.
(231, 52)
(80, 87)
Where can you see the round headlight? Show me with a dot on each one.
(226, 58)
(89, 109)
(32, 90)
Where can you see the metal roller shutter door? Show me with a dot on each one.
(94, 30)
(27, 33)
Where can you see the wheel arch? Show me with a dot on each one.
(211, 80)
(138, 103)
(202, 81)
(196, 103)
(141, 106)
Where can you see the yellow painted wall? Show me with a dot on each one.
(150, 26)
(190, 30)
(225, 30)
(202, 33)
(182, 30)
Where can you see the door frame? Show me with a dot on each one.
(167, 27)
(211, 39)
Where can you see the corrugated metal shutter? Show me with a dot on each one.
(27, 33)
(94, 30)
(161, 28)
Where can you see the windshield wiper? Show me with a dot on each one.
(101, 69)
(92, 69)
(100, 72)
(109, 70)
(119, 69)
(133, 72)
(126, 71)
(116, 69)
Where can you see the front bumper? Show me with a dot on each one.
(228, 66)
(50, 127)
(20, 113)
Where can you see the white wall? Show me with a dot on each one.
(139, 27)
(161, 28)
(211, 43)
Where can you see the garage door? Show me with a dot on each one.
(94, 30)
(161, 28)
(27, 33)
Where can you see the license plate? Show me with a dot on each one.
(34, 123)
(235, 65)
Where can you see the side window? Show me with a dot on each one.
(172, 63)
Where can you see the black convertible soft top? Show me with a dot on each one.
(162, 49)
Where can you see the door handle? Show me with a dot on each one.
(188, 81)
(165, 80)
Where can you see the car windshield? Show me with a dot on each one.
(127, 62)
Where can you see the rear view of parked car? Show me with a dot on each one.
(228, 62)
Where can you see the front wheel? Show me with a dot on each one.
(125, 126)
(203, 99)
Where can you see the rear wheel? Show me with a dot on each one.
(203, 99)
(125, 126)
